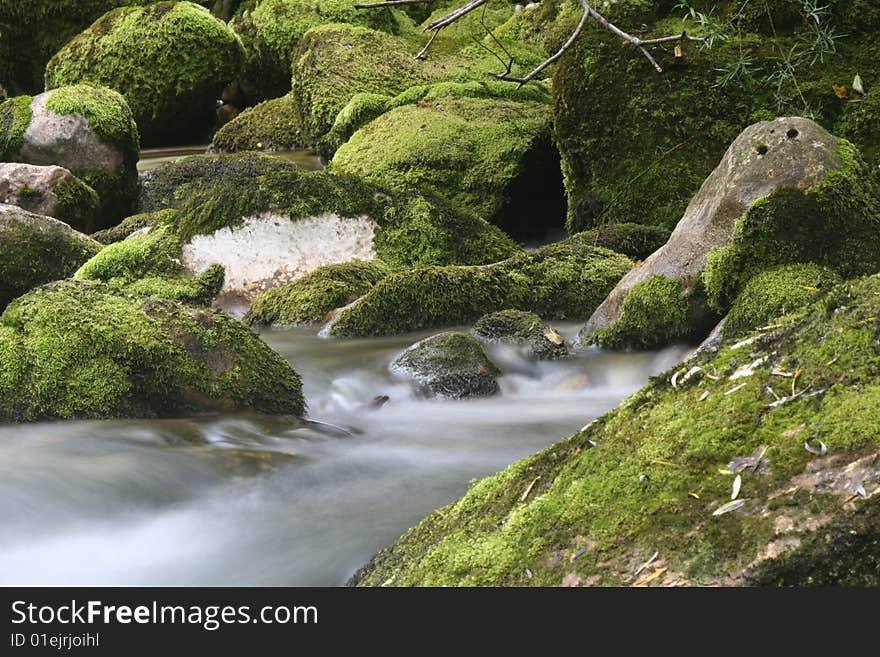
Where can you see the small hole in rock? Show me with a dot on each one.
(792, 133)
(762, 149)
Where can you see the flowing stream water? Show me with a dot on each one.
(254, 500)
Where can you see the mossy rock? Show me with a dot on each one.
(148, 264)
(560, 281)
(786, 191)
(273, 125)
(489, 158)
(75, 349)
(450, 366)
(655, 313)
(831, 224)
(33, 31)
(170, 60)
(127, 227)
(268, 222)
(37, 250)
(525, 329)
(310, 299)
(634, 240)
(88, 130)
(335, 62)
(644, 479)
(776, 292)
(273, 30)
(637, 144)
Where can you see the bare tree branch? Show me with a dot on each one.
(589, 12)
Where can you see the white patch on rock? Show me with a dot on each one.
(271, 250)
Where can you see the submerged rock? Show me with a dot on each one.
(786, 191)
(75, 349)
(310, 299)
(561, 281)
(170, 60)
(523, 328)
(449, 365)
(37, 250)
(50, 191)
(642, 496)
(87, 130)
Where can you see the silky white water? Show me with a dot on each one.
(254, 500)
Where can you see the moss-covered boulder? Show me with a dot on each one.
(128, 226)
(522, 328)
(488, 157)
(833, 223)
(310, 299)
(51, 191)
(74, 349)
(335, 62)
(273, 30)
(776, 292)
(170, 60)
(35, 30)
(448, 365)
(636, 145)
(652, 481)
(37, 250)
(273, 125)
(740, 223)
(268, 222)
(88, 130)
(634, 240)
(561, 281)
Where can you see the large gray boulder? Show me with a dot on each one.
(448, 365)
(785, 152)
(49, 190)
(37, 250)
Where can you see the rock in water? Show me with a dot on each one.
(171, 61)
(523, 328)
(88, 130)
(50, 191)
(770, 168)
(37, 250)
(75, 349)
(450, 365)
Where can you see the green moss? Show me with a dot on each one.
(645, 477)
(15, 117)
(335, 62)
(829, 224)
(520, 327)
(78, 205)
(360, 110)
(128, 226)
(653, 314)
(634, 240)
(489, 158)
(418, 232)
(270, 126)
(636, 146)
(311, 298)
(37, 250)
(105, 110)
(776, 292)
(170, 61)
(451, 365)
(80, 351)
(560, 281)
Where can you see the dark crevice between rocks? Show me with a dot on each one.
(536, 208)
